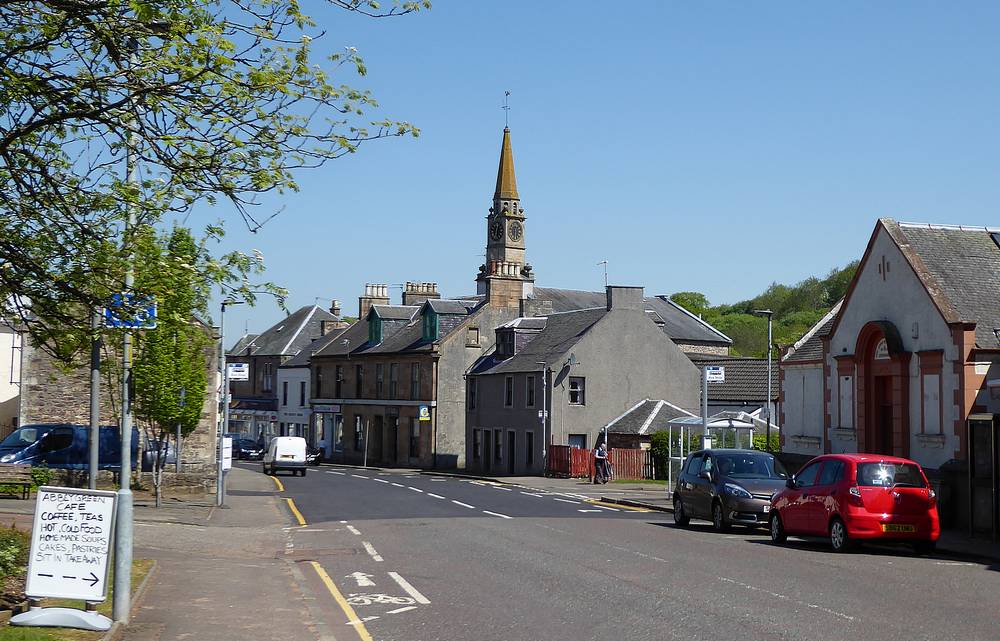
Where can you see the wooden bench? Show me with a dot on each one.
(18, 475)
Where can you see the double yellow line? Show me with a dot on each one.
(352, 618)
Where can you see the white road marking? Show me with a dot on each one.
(568, 501)
(412, 591)
(398, 610)
(439, 480)
(531, 494)
(343, 522)
(371, 551)
(398, 484)
(358, 476)
(610, 509)
(502, 516)
(502, 489)
(437, 496)
(364, 580)
(953, 563)
(471, 507)
(353, 530)
(415, 489)
(340, 473)
(787, 598)
(364, 620)
(588, 510)
(381, 480)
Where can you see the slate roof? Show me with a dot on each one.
(646, 417)
(242, 343)
(446, 306)
(810, 346)
(562, 331)
(288, 336)
(396, 312)
(678, 323)
(962, 264)
(746, 378)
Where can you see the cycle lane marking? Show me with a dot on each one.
(371, 551)
(352, 617)
(409, 589)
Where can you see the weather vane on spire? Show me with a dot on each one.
(506, 108)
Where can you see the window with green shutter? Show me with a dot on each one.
(430, 325)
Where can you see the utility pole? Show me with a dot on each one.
(95, 399)
(177, 442)
(767, 396)
(220, 481)
(545, 416)
(706, 438)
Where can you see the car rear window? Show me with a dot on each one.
(890, 475)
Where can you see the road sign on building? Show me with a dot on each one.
(70, 544)
(715, 373)
(424, 413)
(238, 371)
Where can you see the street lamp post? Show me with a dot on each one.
(545, 416)
(220, 481)
(767, 396)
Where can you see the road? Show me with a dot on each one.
(421, 558)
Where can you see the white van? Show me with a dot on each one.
(286, 453)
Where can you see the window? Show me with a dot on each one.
(374, 330)
(506, 349)
(359, 381)
(833, 471)
(577, 440)
(414, 438)
(359, 434)
(529, 449)
(577, 390)
(472, 337)
(319, 382)
(694, 464)
(430, 326)
(498, 445)
(339, 383)
(807, 477)
(477, 444)
(267, 384)
(393, 379)
(414, 381)
(379, 376)
(508, 391)
(890, 474)
(473, 391)
(529, 392)
(338, 432)
(302, 393)
(284, 393)
(58, 439)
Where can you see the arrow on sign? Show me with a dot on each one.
(364, 580)
(92, 580)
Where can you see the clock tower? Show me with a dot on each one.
(505, 278)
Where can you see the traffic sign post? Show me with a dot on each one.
(709, 374)
(70, 547)
(130, 311)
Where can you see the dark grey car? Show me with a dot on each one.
(727, 486)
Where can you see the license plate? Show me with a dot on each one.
(896, 527)
(767, 508)
(287, 456)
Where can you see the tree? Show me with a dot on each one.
(169, 370)
(694, 302)
(206, 101)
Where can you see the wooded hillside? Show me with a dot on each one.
(796, 308)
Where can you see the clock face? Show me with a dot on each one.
(515, 230)
(496, 229)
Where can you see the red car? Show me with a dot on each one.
(856, 497)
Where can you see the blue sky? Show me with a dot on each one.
(711, 146)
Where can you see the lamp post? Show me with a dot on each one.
(544, 416)
(767, 396)
(220, 481)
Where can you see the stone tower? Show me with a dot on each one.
(505, 278)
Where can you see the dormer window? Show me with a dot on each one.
(505, 344)
(374, 329)
(431, 331)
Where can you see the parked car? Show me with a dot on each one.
(285, 453)
(149, 454)
(65, 446)
(858, 497)
(727, 486)
(245, 449)
(314, 455)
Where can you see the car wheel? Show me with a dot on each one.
(840, 541)
(302, 473)
(924, 548)
(719, 518)
(263, 468)
(778, 535)
(680, 516)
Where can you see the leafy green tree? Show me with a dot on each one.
(209, 101)
(694, 302)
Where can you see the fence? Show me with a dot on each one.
(575, 462)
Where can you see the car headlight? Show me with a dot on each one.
(7, 458)
(735, 490)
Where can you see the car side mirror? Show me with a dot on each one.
(790, 483)
(705, 474)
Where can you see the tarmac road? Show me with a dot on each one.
(418, 558)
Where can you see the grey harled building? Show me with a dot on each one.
(596, 364)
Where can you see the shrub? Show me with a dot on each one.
(14, 547)
(41, 476)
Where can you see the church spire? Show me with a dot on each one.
(506, 183)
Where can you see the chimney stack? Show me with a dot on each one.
(416, 293)
(375, 294)
(335, 308)
(535, 307)
(620, 297)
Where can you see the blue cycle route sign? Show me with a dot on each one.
(130, 311)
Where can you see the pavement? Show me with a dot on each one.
(352, 553)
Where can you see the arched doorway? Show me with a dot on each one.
(883, 390)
